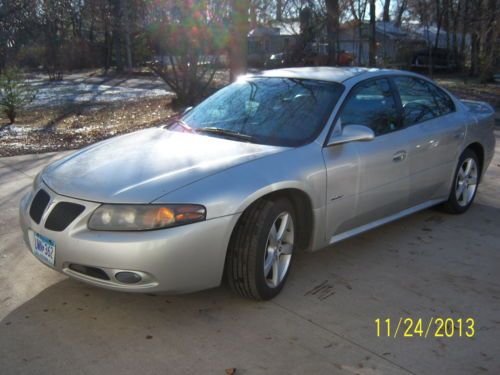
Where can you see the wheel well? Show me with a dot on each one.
(303, 211)
(479, 151)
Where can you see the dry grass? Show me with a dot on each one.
(75, 126)
(471, 89)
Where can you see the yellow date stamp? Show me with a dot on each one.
(420, 327)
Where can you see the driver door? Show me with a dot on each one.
(367, 181)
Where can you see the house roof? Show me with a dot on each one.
(430, 33)
(389, 29)
(261, 31)
(276, 28)
(287, 27)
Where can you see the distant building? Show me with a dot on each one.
(264, 41)
(395, 46)
(429, 34)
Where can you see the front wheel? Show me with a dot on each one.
(465, 184)
(261, 248)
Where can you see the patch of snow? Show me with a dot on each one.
(66, 92)
(15, 129)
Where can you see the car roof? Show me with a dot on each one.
(321, 73)
(326, 73)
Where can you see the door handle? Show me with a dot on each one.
(399, 156)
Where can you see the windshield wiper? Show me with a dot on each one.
(225, 132)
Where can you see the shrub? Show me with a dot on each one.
(15, 93)
(187, 45)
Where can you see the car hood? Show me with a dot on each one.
(142, 166)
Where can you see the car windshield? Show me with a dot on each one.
(277, 111)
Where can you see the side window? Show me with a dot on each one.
(372, 104)
(421, 100)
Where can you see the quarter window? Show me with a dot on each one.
(442, 100)
(372, 104)
(421, 100)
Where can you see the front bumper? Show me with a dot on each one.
(175, 260)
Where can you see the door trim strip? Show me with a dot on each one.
(374, 224)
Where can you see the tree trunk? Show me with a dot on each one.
(400, 11)
(279, 10)
(474, 54)
(108, 47)
(464, 31)
(332, 28)
(490, 45)
(117, 34)
(386, 16)
(439, 21)
(455, 17)
(446, 23)
(126, 32)
(373, 39)
(253, 17)
(238, 47)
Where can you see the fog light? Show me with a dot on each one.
(128, 277)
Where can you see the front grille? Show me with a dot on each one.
(89, 271)
(39, 205)
(62, 215)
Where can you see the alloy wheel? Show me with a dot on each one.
(279, 248)
(466, 183)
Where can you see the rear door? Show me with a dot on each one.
(367, 181)
(438, 134)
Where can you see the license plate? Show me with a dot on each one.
(45, 249)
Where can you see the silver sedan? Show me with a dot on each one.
(275, 163)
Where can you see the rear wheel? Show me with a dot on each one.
(465, 184)
(261, 248)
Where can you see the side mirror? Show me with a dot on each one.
(352, 133)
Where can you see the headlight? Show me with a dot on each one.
(112, 217)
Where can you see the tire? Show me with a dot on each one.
(465, 181)
(255, 243)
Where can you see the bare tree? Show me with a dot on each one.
(400, 10)
(386, 15)
(279, 10)
(373, 40)
(475, 36)
(126, 32)
(332, 27)
(490, 41)
(464, 30)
